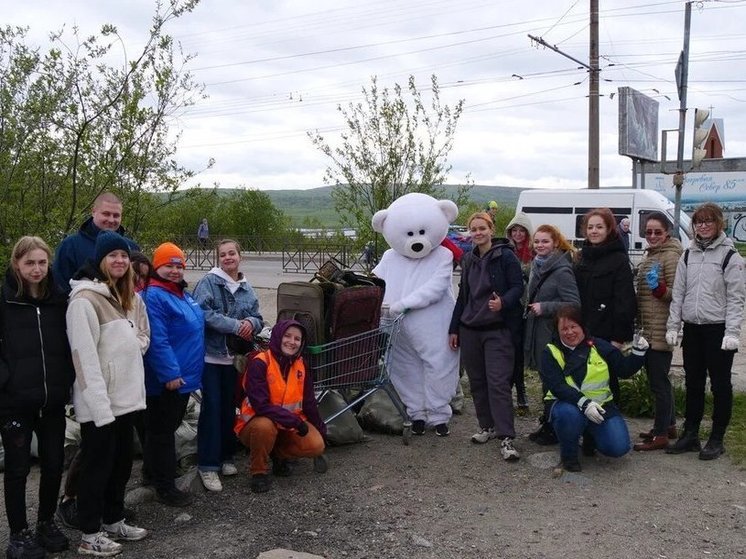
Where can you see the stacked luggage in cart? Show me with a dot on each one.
(348, 339)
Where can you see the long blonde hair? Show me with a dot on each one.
(122, 289)
(23, 246)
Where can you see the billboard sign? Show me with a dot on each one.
(638, 125)
(727, 189)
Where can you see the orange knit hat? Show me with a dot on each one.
(168, 253)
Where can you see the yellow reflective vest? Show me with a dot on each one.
(596, 382)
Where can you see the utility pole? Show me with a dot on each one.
(682, 78)
(593, 94)
(593, 97)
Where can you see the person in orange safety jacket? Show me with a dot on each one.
(279, 417)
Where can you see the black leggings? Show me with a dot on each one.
(702, 355)
(105, 467)
(162, 417)
(16, 431)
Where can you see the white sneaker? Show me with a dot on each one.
(211, 481)
(508, 451)
(483, 436)
(99, 545)
(121, 531)
(228, 469)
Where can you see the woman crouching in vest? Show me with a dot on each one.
(576, 371)
(279, 416)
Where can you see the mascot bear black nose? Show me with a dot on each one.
(417, 247)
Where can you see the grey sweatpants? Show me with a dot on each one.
(487, 356)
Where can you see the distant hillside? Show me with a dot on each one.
(316, 202)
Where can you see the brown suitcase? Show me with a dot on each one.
(354, 310)
(303, 301)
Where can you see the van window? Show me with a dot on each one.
(579, 231)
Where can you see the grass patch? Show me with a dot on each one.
(735, 437)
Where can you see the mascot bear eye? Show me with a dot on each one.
(422, 231)
(409, 233)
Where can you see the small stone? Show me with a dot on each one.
(311, 533)
(280, 553)
(183, 517)
(420, 541)
(543, 460)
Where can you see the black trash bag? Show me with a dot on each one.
(379, 414)
(343, 429)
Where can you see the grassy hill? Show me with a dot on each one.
(316, 203)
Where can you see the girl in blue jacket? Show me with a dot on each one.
(173, 367)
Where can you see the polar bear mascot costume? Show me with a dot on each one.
(418, 275)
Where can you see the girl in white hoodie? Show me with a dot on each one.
(108, 331)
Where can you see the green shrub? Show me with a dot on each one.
(638, 401)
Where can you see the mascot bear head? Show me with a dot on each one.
(415, 224)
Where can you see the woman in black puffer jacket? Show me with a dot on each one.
(605, 283)
(36, 374)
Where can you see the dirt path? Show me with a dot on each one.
(447, 498)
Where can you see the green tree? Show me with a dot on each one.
(73, 124)
(251, 213)
(390, 146)
(177, 215)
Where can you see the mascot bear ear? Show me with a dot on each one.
(449, 209)
(378, 220)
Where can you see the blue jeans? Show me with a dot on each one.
(611, 436)
(216, 442)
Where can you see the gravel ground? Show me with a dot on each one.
(447, 498)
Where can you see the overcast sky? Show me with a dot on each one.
(277, 69)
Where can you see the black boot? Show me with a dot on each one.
(588, 446)
(713, 449)
(521, 400)
(688, 442)
(544, 435)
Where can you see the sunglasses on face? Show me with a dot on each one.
(654, 232)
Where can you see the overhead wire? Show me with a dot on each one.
(283, 103)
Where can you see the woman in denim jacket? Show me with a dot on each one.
(231, 307)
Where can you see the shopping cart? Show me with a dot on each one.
(359, 362)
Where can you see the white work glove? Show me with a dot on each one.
(730, 343)
(672, 336)
(594, 412)
(640, 345)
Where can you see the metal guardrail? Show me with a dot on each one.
(304, 257)
(308, 258)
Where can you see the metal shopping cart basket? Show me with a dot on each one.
(359, 362)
